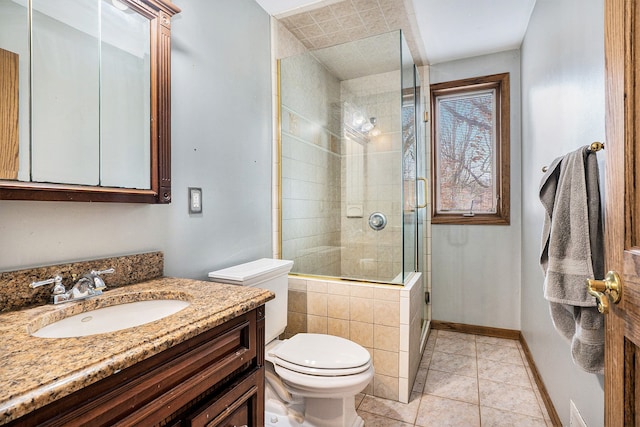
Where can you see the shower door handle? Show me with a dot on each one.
(426, 192)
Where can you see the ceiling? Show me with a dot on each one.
(448, 29)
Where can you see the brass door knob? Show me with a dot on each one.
(609, 289)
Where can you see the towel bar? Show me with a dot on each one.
(593, 147)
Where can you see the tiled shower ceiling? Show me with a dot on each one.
(328, 23)
(372, 55)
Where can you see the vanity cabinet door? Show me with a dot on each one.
(237, 406)
(240, 418)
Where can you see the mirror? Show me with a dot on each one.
(85, 113)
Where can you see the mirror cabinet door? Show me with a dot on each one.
(85, 100)
(65, 92)
(125, 74)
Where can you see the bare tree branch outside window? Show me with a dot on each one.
(466, 139)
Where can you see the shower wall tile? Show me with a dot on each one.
(338, 327)
(405, 310)
(297, 307)
(386, 313)
(338, 307)
(317, 304)
(317, 286)
(404, 391)
(297, 284)
(317, 324)
(386, 293)
(297, 301)
(362, 291)
(404, 338)
(361, 309)
(361, 333)
(296, 324)
(403, 369)
(386, 387)
(386, 338)
(338, 288)
(386, 362)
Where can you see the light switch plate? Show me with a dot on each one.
(195, 200)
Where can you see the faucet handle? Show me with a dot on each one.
(98, 283)
(58, 288)
(107, 271)
(57, 280)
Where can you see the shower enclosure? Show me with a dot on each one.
(351, 154)
(349, 164)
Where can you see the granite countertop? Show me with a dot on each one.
(37, 371)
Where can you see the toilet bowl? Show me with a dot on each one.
(311, 379)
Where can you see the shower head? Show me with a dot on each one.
(368, 126)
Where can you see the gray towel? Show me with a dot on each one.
(572, 251)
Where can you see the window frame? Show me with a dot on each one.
(499, 83)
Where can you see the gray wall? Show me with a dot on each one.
(563, 108)
(221, 141)
(476, 268)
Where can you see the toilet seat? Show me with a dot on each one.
(321, 355)
(319, 372)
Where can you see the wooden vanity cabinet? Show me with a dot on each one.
(213, 379)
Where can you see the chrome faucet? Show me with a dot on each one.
(89, 285)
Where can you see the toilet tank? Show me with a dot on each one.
(268, 274)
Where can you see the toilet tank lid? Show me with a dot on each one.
(245, 273)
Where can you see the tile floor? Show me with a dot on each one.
(464, 381)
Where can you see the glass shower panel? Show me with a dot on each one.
(409, 162)
(311, 157)
(342, 170)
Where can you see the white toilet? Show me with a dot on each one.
(311, 379)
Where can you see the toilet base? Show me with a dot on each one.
(331, 412)
(274, 419)
(311, 412)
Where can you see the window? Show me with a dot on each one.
(470, 151)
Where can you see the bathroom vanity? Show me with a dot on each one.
(203, 365)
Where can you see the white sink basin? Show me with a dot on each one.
(110, 319)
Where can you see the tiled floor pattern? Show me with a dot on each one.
(464, 381)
